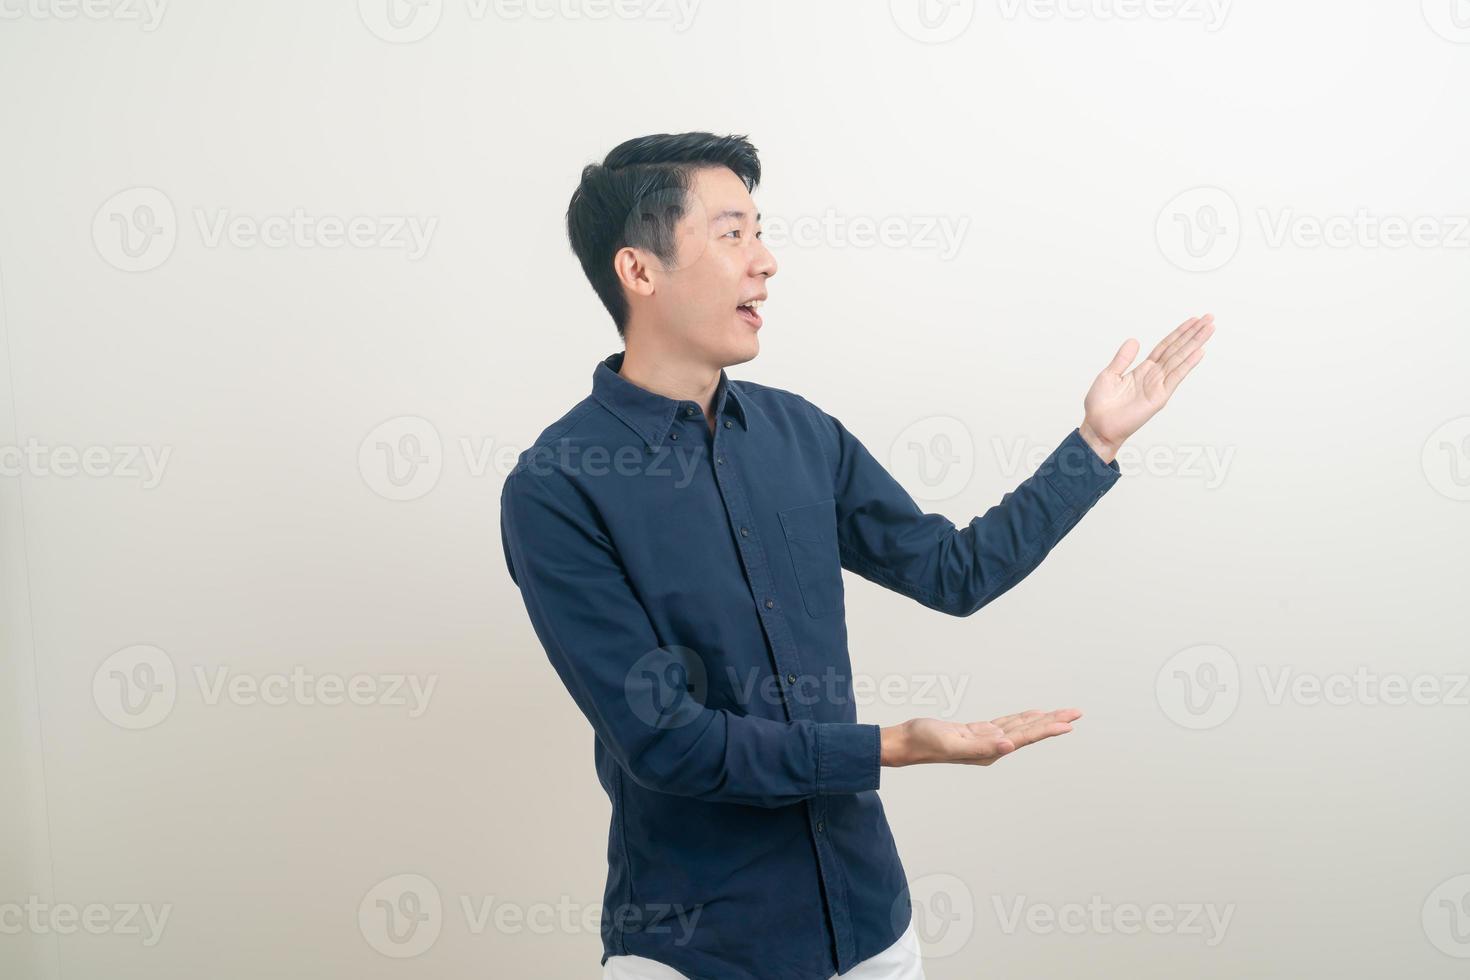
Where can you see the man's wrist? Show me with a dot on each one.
(895, 748)
(1105, 450)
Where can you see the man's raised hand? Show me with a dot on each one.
(1119, 403)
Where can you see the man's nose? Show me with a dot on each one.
(764, 263)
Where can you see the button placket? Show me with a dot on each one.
(788, 667)
(758, 572)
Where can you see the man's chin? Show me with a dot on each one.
(744, 350)
(734, 344)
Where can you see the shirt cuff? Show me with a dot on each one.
(848, 757)
(1077, 472)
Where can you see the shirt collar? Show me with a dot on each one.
(648, 413)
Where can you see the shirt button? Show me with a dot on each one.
(820, 826)
(727, 423)
(720, 459)
(770, 603)
(744, 533)
(791, 678)
(673, 435)
(688, 411)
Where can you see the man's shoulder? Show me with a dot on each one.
(793, 408)
(772, 399)
(579, 424)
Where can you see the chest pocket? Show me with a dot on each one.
(811, 537)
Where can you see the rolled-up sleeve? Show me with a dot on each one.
(644, 699)
(887, 538)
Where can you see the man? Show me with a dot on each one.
(678, 538)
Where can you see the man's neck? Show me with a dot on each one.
(663, 374)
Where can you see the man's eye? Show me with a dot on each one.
(733, 231)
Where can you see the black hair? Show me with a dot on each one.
(636, 197)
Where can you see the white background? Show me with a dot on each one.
(1115, 167)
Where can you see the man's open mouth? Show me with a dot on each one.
(750, 311)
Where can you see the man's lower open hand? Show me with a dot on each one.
(976, 743)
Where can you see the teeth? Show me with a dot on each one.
(754, 304)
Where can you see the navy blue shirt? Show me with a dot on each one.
(687, 587)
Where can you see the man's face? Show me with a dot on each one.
(698, 300)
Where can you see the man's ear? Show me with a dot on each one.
(631, 266)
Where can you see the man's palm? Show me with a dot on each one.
(979, 743)
(1119, 403)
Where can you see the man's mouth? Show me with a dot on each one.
(750, 312)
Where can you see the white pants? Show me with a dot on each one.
(898, 962)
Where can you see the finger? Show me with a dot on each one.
(1124, 357)
(1040, 730)
(1002, 722)
(1195, 343)
(1177, 353)
(1184, 338)
(1054, 722)
(992, 752)
(1172, 379)
(1020, 721)
(987, 743)
(1013, 722)
(1177, 332)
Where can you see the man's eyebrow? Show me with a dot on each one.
(732, 213)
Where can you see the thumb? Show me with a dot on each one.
(1124, 357)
